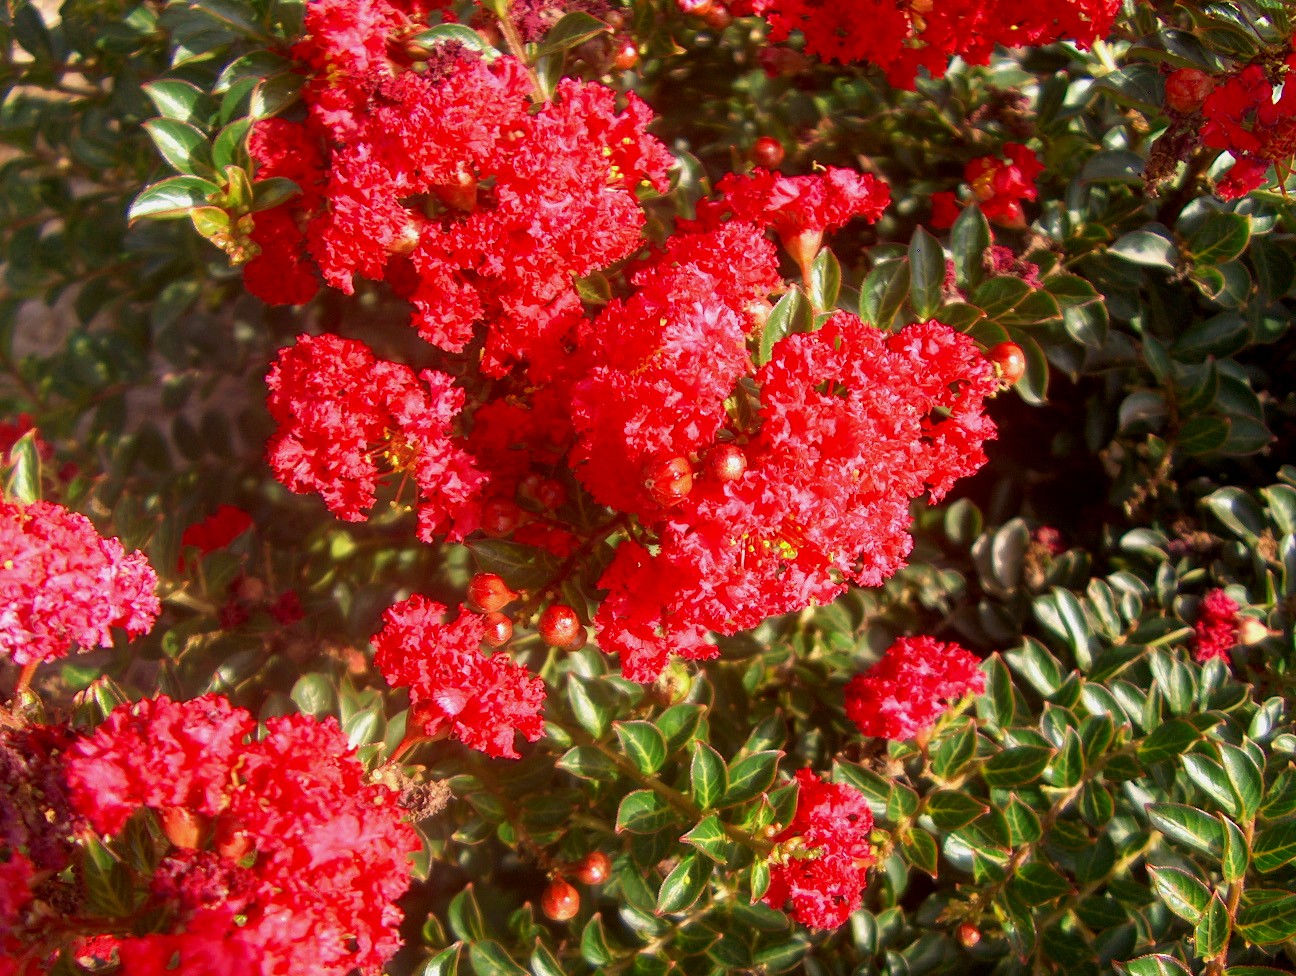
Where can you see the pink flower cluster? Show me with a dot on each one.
(282, 856)
(455, 689)
(902, 37)
(916, 680)
(62, 585)
(824, 852)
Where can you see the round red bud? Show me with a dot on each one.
(530, 484)
(593, 869)
(560, 901)
(727, 462)
(551, 493)
(668, 482)
(1186, 90)
(767, 151)
(488, 592)
(499, 629)
(500, 516)
(969, 935)
(627, 55)
(560, 627)
(719, 18)
(1010, 360)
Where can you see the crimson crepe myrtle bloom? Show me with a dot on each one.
(822, 856)
(63, 585)
(331, 847)
(1247, 115)
(1218, 627)
(905, 692)
(901, 38)
(454, 688)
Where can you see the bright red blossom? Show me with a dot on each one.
(347, 419)
(1243, 116)
(903, 37)
(825, 854)
(905, 692)
(454, 688)
(327, 850)
(64, 585)
(218, 530)
(1217, 628)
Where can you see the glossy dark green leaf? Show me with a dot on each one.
(1183, 894)
(24, 482)
(643, 745)
(969, 240)
(1188, 826)
(1212, 932)
(573, 29)
(684, 885)
(825, 281)
(172, 198)
(1267, 921)
(1221, 237)
(1017, 766)
(490, 959)
(926, 273)
(1147, 249)
(750, 777)
(951, 809)
(710, 838)
(643, 812)
(1275, 846)
(708, 776)
(792, 314)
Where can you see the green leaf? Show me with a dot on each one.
(315, 695)
(1221, 237)
(272, 192)
(1146, 248)
(594, 944)
(24, 482)
(490, 959)
(586, 762)
(643, 812)
(1188, 826)
(969, 240)
(1155, 965)
(884, 291)
(1023, 823)
(791, 314)
(1182, 893)
(172, 198)
(752, 776)
(1212, 931)
(1274, 847)
(1219, 336)
(1202, 434)
(642, 744)
(1237, 853)
(919, 849)
(1017, 766)
(1037, 883)
(708, 775)
(1168, 741)
(951, 809)
(678, 725)
(1244, 777)
(1036, 664)
(825, 281)
(522, 567)
(710, 838)
(1209, 776)
(230, 146)
(926, 273)
(459, 33)
(444, 963)
(543, 962)
(184, 147)
(954, 751)
(179, 100)
(587, 700)
(465, 916)
(1269, 921)
(684, 885)
(573, 29)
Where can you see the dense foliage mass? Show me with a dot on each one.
(648, 486)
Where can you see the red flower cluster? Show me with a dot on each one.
(454, 688)
(1243, 116)
(62, 584)
(998, 185)
(284, 857)
(904, 37)
(824, 853)
(1217, 628)
(903, 694)
(347, 419)
(446, 184)
(853, 425)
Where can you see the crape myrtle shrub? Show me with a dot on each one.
(539, 529)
